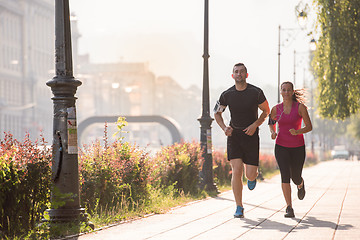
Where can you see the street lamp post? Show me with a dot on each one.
(279, 53)
(296, 62)
(301, 16)
(312, 49)
(65, 200)
(205, 119)
(294, 68)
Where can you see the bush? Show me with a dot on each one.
(113, 174)
(267, 164)
(223, 171)
(222, 168)
(25, 174)
(178, 165)
(115, 178)
(311, 158)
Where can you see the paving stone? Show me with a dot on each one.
(330, 210)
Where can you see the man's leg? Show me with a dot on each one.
(251, 172)
(236, 179)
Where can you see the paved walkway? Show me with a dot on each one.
(330, 210)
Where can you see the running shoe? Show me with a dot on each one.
(239, 212)
(301, 192)
(289, 212)
(251, 184)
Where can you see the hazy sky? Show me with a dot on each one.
(169, 35)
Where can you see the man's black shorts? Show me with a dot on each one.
(240, 145)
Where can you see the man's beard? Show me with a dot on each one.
(241, 80)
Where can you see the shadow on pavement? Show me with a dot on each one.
(265, 224)
(308, 222)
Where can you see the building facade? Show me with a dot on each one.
(26, 63)
(27, 39)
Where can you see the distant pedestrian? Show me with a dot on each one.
(243, 100)
(290, 145)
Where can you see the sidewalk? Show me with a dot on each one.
(330, 210)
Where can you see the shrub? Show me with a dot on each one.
(112, 174)
(267, 163)
(222, 168)
(223, 171)
(311, 158)
(25, 174)
(178, 165)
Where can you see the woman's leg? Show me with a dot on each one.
(286, 188)
(297, 165)
(282, 158)
(298, 159)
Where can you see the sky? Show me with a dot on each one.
(169, 35)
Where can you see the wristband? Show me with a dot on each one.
(271, 121)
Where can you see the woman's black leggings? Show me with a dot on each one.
(291, 162)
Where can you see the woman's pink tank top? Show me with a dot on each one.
(286, 122)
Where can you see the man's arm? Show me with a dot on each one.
(264, 107)
(220, 121)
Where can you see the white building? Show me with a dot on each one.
(26, 64)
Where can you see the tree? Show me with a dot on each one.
(354, 127)
(337, 59)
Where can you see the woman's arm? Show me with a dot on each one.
(303, 112)
(272, 123)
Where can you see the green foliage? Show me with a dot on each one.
(178, 164)
(59, 199)
(120, 124)
(117, 181)
(112, 174)
(56, 230)
(337, 59)
(267, 164)
(311, 159)
(222, 168)
(25, 175)
(354, 126)
(329, 131)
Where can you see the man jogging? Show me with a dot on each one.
(244, 100)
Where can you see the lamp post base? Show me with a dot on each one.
(209, 187)
(67, 215)
(206, 183)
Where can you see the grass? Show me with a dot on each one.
(161, 202)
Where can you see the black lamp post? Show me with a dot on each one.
(312, 49)
(301, 16)
(65, 200)
(205, 119)
(279, 53)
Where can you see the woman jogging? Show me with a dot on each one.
(290, 146)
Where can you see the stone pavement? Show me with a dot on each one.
(330, 210)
